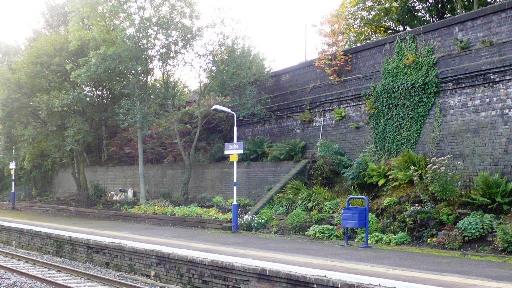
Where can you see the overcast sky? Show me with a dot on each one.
(275, 28)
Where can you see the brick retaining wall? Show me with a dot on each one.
(208, 180)
(475, 99)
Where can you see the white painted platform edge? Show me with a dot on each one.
(231, 259)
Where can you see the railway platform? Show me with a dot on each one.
(409, 269)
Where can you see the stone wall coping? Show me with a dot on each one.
(416, 31)
(230, 262)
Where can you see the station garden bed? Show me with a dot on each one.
(150, 218)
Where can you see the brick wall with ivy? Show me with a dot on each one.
(470, 121)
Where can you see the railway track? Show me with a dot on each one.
(56, 275)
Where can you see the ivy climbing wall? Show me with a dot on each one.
(470, 121)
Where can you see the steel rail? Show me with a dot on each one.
(63, 269)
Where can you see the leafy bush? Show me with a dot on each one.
(219, 202)
(165, 208)
(448, 215)
(401, 238)
(287, 151)
(476, 225)
(377, 173)
(356, 174)
(252, 223)
(216, 154)
(330, 163)
(491, 193)
(256, 149)
(442, 179)
(451, 240)
(306, 117)
(324, 232)
(379, 238)
(422, 221)
(504, 237)
(406, 167)
(339, 113)
(314, 199)
(286, 201)
(298, 221)
(96, 193)
(390, 202)
(332, 207)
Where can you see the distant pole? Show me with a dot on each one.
(12, 166)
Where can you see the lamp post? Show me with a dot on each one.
(235, 206)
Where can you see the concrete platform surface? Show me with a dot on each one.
(441, 271)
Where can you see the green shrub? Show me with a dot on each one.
(406, 167)
(287, 201)
(252, 223)
(256, 149)
(390, 202)
(491, 193)
(356, 173)
(219, 202)
(96, 193)
(442, 179)
(422, 221)
(306, 117)
(330, 163)
(165, 208)
(486, 43)
(298, 221)
(324, 232)
(216, 154)
(448, 215)
(378, 238)
(504, 237)
(401, 238)
(332, 207)
(377, 174)
(314, 199)
(476, 225)
(333, 152)
(462, 44)
(287, 151)
(339, 113)
(244, 203)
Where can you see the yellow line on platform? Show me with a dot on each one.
(279, 256)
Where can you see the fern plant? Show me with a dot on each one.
(377, 173)
(491, 193)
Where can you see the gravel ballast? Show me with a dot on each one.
(21, 282)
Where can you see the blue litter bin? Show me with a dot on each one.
(356, 217)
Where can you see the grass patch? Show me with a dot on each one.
(458, 254)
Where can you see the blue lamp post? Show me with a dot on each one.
(235, 206)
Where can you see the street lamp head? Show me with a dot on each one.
(222, 108)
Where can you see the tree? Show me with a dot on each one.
(365, 21)
(230, 72)
(158, 33)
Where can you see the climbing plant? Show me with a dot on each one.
(399, 105)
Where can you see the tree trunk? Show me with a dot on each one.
(185, 182)
(103, 142)
(79, 176)
(475, 4)
(140, 149)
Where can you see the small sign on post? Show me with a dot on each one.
(233, 157)
(234, 148)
